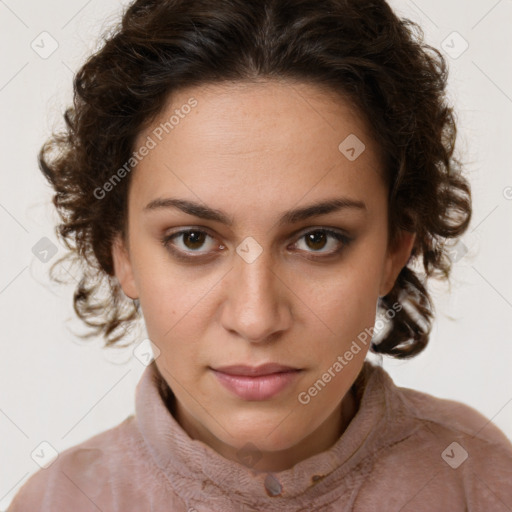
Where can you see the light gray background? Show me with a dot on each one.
(59, 389)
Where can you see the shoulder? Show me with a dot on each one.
(442, 452)
(449, 419)
(474, 454)
(82, 475)
(443, 418)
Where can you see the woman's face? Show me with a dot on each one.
(227, 256)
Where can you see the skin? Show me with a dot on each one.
(254, 151)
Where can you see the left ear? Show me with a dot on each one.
(396, 258)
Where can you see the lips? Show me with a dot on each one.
(255, 371)
(256, 383)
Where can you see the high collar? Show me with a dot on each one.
(206, 480)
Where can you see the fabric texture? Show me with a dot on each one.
(403, 451)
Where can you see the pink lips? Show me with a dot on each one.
(256, 383)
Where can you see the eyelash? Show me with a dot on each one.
(340, 237)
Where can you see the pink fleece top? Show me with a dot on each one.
(403, 451)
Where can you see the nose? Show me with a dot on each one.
(256, 305)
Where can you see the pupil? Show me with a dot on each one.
(314, 238)
(196, 239)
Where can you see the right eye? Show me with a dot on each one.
(190, 240)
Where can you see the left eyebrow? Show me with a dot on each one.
(289, 217)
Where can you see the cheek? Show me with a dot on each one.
(349, 319)
(166, 291)
(173, 306)
(170, 310)
(343, 309)
(344, 299)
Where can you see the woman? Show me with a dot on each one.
(260, 180)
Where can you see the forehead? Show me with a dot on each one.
(250, 142)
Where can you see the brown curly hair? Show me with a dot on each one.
(358, 48)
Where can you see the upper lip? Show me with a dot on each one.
(254, 371)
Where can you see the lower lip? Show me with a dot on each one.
(262, 387)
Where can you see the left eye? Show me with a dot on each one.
(318, 238)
